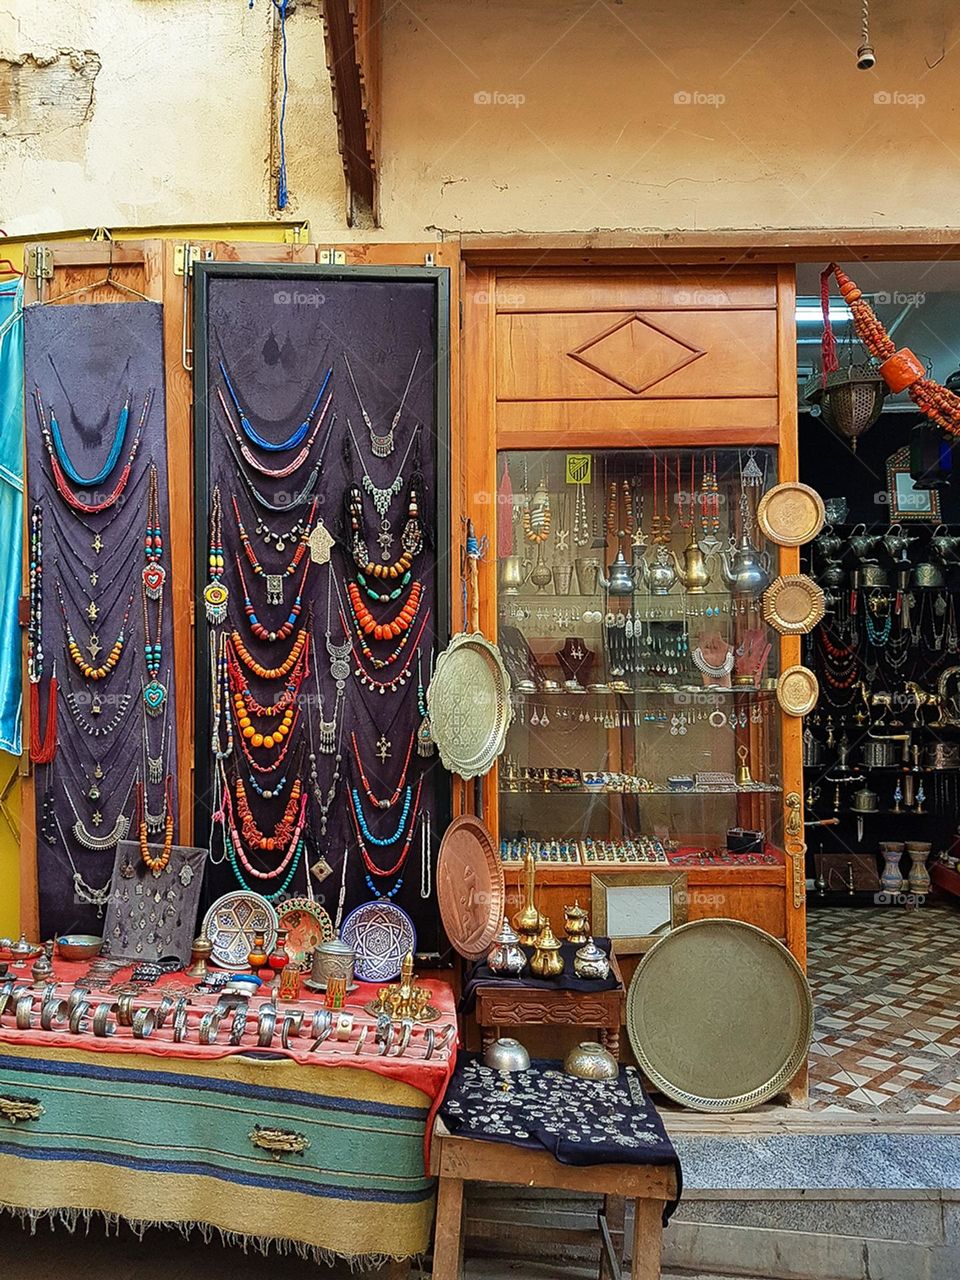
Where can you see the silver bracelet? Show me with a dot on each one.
(180, 1022)
(288, 1028)
(405, 1033)
(321, 1019)
(102, 1026)
(324, 1035)
(344, 1026)
(431, 1038)
(144, 1021)
(387, 1042)
(125, 1008)
(239, 1025)
(78, 1017)
(266, 1025)
(79, 995)
(25, 1012)
(53, 1011)
(164, 1010)
(210, 1027)
(447, 1033)
(362, 1039)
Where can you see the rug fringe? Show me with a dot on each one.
(71, 1219)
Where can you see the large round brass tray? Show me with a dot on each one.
(791, 514)
(719, 1015)
(470, 887)
(469, 705)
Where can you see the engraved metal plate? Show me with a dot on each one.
(470, 886)
(793, 604)
(469, 705)
(797, 691)
(791, 514)
(719, 1015)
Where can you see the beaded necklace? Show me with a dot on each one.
(251, 736)
(294, 848)
(277, 473)
(242, 696)
(219, 692)
(151, 589)
(276, 738)
(156, 864)
(378, 801)
(235, 854)
(425, 743)
(60, 480)
(94, 647)
(274, 581)
(300, 645)
(274, 446)
(116, 447)
(76, 703)
(411, 539)
(256, 626)
(382, 842)
(92, 609)
(381, 446)
(368, 862)
(282, 830)
(400, 678)
(215, 593)
(297, 500)
(43, 746)
(97, 533)
(367, 624)
(154, 574)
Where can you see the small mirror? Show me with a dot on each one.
(635, 909)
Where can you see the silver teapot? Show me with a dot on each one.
(863, 543)
(897, 541)
(744, 569)
(621, 579)
(660, 574)
(506, 955)
(828, 543)
(945, 544)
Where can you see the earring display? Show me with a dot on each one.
(100, 579)
(323, 641)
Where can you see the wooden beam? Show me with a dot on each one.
(352, 37)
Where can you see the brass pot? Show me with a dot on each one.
(591, 1061)
(332, 959)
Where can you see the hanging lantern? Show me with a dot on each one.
(849, 400)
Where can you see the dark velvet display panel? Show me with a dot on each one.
(84, 360)
(268, 338)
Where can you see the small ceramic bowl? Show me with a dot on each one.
(78, 946)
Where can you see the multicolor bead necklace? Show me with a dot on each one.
(378, 801)
(116, 447)
(300, 645)
(60, 480)
(274, 446)
(256, 626)
(282, 830)
(368, 625)
(215, 594)
(274, 581)
(88, 671)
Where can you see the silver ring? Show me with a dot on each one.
(406, 1032)
(180, 1022)
(25, 1012)
(144, 1021)
(210, 1027)
(431, 1038)
(53, 1011)
(447, 1033)
(324, 1035)
(287, 1029)
(321, 1019)
(102, 1026)
(344, 1026)
(239, 1025)
(266, 1025)
(79, 995)
(388, 1037)
(362, 1039)
(78, 1017)
(164, 1009)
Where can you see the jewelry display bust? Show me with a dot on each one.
(713, 658)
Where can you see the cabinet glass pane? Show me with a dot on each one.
(630, 590)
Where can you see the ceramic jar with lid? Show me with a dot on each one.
(590, 962)
(506, 956)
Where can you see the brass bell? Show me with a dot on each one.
(743, 769)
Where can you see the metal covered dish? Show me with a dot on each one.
(469, 705)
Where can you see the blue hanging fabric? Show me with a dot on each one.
(11, 512)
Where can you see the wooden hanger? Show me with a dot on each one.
(106, 281)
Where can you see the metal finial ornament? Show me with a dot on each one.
(866, 57)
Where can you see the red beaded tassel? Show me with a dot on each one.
(43, 751)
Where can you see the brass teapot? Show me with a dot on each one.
(694, 573)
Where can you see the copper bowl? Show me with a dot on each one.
(78, 946)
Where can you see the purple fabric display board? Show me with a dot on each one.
(84, 360)
(266, 346)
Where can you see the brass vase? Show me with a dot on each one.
(527, 920)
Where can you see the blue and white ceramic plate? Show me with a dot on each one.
(380, 935)
(231, 924)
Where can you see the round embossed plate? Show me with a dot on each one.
(798, 691)
(307, 925)
(470, 887)
(719, 1015)
(469, 704)
(380, 935)
(231, 923)
(793, 604)
(791, 514)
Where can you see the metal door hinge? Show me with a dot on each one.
(184, 256)
(332, 258)
(300, 234)
(40, 263)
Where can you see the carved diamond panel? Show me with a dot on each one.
(636, 354)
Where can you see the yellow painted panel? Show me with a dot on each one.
(9, 847)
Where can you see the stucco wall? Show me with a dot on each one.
(780, 130)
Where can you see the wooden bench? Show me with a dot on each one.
(455, 1160)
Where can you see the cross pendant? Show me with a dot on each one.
(97, 543)
(383, 748)
(94, 647)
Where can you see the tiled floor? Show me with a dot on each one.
(886, 988)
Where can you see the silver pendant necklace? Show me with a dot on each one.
(87, 893)
(381, 446)
(98, 843)
(383, 497)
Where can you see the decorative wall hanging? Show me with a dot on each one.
(11, 534)
(791, 514)
(793, 604)
(797, 691)
(470, 886)
(97, 480)
(469, 704)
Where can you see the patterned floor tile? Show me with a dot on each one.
(887, 1010)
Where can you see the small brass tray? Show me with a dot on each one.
(793, 604)
(791, 514)
(798, 691)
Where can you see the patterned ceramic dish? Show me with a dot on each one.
(380, 934)
(231, 923)
(307, 925)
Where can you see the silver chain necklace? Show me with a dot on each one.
(383, 497)
(98, 843)
(381, 446)
(87, 893)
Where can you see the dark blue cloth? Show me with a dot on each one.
(480, 974)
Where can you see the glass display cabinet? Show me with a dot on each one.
(630, 615)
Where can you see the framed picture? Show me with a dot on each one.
(906, 502)
(635, 909)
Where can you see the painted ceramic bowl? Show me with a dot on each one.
(78, 946)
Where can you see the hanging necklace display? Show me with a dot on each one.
(215, 593)
(380, 802)
(400, 677)
(282, 829)
(99, 843)
(274, 446)
(426, 856)
(154, 574)
(708, 669)
(367, 625)
(116, 448)
(221, 724)
(60, 480)
(300, 649)
(256, 626)
(94, 647)
(238, 858)
(274, 581)
(581, 525)
(293, 502)
(79, 702)
(425, 743)
(99, 533)
(324, 803)
(276, 473)
(661, 522)
(381, 446)
(709, 502)
(384, 873)
(93, 608)
(537, 516)
(339, 659)
(411, 539)
(382, 498)
(87, 893)
(153, 765)
(154, 691)
(43, 746)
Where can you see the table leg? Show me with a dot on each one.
(487, 1037)
(647, 1239)
(448, 1234)
(610, 1039)
(614, 1210)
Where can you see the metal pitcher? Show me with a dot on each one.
(620, 580)
(588, 574)
(744, 569)
(861, 542)
(514, 571)
(693, 573)
(945, 544)
(897, 541)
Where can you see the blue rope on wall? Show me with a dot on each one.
(282, 192)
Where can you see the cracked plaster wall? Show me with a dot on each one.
(502, 115)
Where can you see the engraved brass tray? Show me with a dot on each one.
(798, 691)
(470, 887)
(469, 705)
(793, 604)
(791, 514)
(719, 1015)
